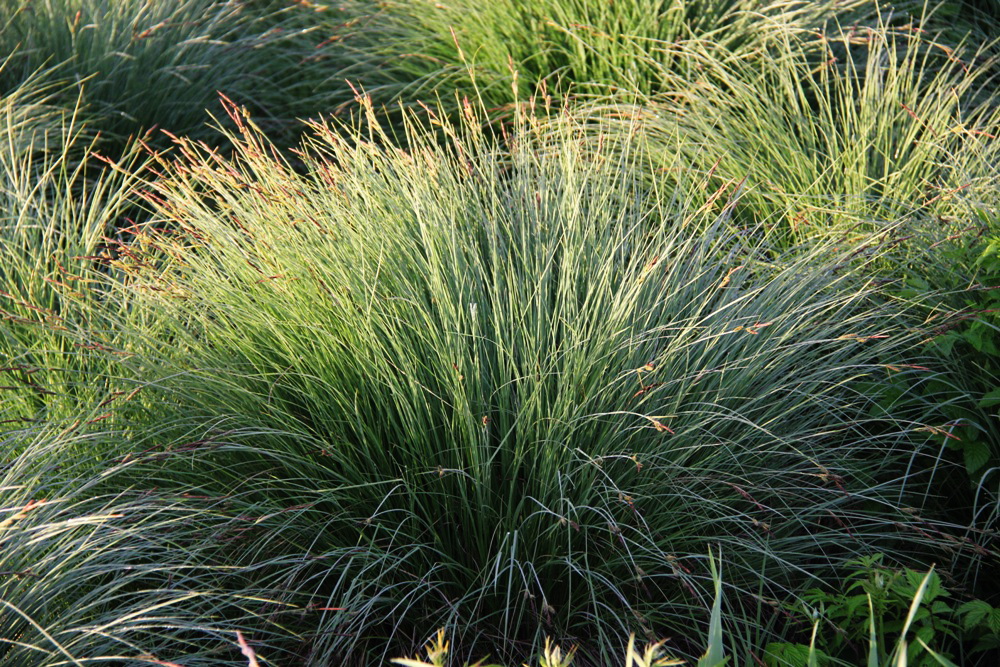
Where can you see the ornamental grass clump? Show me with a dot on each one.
(411, 49)
(516, 397)
(849, 129)
(140, 64)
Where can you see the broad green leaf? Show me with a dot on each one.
(945, 343)
(994, 621)
(977, 454)
(982, 338)
(973, 613)
(930, 582)
(990, 399)
(940, 608)
(924, 633)
(787, 655)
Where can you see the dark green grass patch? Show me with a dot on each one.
(140, 64)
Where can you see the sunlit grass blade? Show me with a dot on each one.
(715, 653)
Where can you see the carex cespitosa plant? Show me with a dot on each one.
(96, 565)
(509, 393)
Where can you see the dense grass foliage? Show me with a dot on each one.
(894, 134)
(411, 49)
(407, 50)
(528, 376)
(140, 64)
(57, 206)
(658, 319)
(889, 126)
(96, 572)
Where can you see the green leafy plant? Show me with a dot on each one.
(954, 282)
(885, 596)
(970, 335)
(980, 620)
(890, 616)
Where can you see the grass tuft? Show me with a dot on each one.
(519, 398)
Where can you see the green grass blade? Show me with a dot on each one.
(873, 649)
(715, 653)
